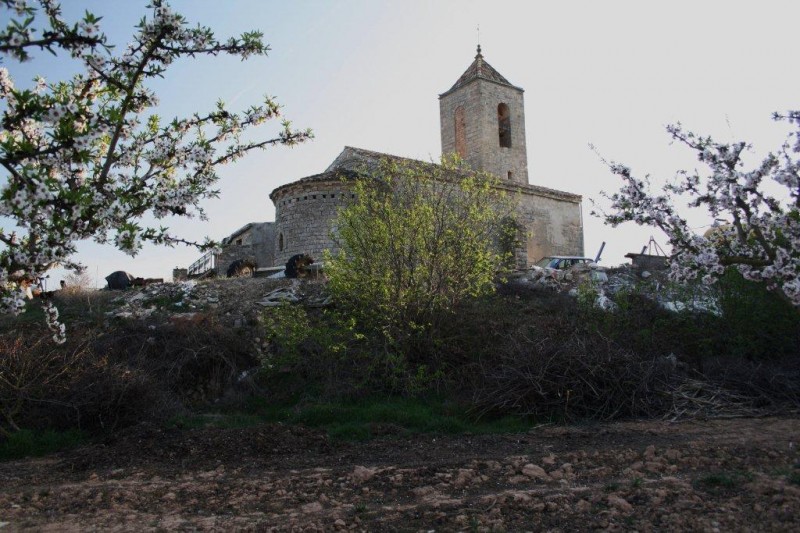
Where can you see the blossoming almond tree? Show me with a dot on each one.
(761, 236)
(86, 158)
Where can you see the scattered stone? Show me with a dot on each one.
(620, 503)
(313, 507)
(583, 506)
(362, 474)
(535, 472)
(422, 492)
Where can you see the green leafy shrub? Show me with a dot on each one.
(26, 443)
(328, 354)
(756, 324)
(417, 240)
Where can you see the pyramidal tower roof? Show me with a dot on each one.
(480, 69)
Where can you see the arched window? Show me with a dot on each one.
(504, 125)
(461, 132)
(280, 242)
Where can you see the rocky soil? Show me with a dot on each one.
(700, 475)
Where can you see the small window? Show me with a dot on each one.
(280, 242)
(504, 125)
(333, 195)
(461, 132)
(510, 174)
(239, 242)
(314, 197)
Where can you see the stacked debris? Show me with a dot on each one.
(606, 283)
(564, 280)
(235, 301)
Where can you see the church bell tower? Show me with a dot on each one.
(483, 120)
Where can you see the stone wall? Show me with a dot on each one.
(553, 226)
(305, 214)
(256, 242)
(480, 99)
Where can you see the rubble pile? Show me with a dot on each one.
(234, 301)
(606, 283)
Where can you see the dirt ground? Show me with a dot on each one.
(701, 475)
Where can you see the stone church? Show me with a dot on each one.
(482, 118)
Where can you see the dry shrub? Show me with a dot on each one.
(105, 380)
(47, 386)
(551, 357)
(196, 359)
(539, 354)
(81, 306)
(76, 282)
(767, 383)
(569, 375)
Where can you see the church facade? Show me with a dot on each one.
(482, 119)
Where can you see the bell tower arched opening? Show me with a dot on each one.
(461, 131)
(504, 125)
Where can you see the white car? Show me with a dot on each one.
(562, 262)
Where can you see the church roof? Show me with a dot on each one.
(480, 69)
(351, 163)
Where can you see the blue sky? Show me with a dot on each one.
(367, 73)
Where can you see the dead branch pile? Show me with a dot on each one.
(695, 398)
(578, 377)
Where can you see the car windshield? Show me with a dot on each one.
(544, 262)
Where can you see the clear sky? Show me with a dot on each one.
(367, 73)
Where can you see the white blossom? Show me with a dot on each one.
(62, 190)
(762, 237)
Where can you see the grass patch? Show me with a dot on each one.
(723, 480)
(28, 443)
(33, 314)
(215, 420)
(361, 421)
(73, 308)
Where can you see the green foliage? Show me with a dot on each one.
(286, 328)
(723, 480)
(365, 419)
(509, 239)
(418, 239)
(28, 443)
(587, 296)
(641, 325)
(757, 323)
(331, 355)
